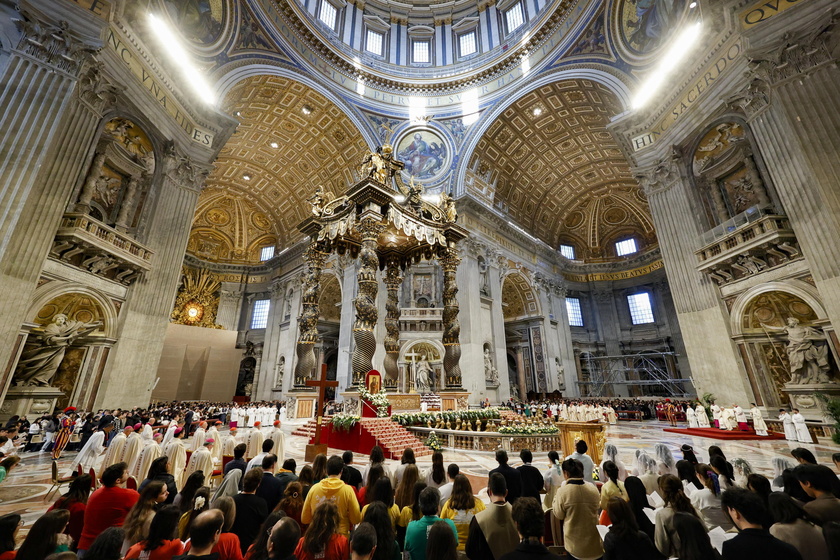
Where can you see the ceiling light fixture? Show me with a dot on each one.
(307, 110)
(676, 52)
(182, 59)
(246, 177)
(692, 5)
(537, 112)
(274, 145)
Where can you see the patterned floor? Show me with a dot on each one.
(24, 490)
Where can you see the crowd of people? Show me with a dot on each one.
(135, 496)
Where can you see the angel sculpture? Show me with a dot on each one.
(412, 194)
(447, 206)
(374, 166)
(319, 200)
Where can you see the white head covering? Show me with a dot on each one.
(663, 454)
(610, 452)
(779, 465)
(229, 486)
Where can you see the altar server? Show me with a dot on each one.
(787, 423)
(802, 433)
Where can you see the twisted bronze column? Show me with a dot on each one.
(308, 319)
(449, 262)
(393, 281)
(365, 302)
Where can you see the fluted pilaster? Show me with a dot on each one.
(132, 367)
(48, 131)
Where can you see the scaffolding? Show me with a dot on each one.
(643, 369)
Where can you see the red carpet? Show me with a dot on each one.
(714, 433)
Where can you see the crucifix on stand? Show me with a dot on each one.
(313, 449)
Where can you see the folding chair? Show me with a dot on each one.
(57, 482)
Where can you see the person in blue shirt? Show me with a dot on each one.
(417, 532)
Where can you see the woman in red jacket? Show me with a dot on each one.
(75, 501)
(322, 539)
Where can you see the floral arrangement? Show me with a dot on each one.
(344, 422)
(527, 430)
(379, 400)
(423, 418)
(433, 442)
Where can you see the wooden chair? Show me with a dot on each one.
(94, 482)
(57, 482)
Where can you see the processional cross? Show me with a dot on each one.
(322, 385)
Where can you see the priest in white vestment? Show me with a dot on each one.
(229, 442)
(133, 446)
(758, 421)
(177, 453)
(252, 417)
(254, 441)
(716, 416)
(234, 417)
(802, 433)
(115, 450)
(691, 416)
(151, 451)
(170, 432)
(701, 416)
(728, 416)
(740, 417)
(201, 460)
(787, 423)
(213, 433)
(199, 437)
(91, 454)
(279, 438)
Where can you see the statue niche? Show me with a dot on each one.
(118, 180)
(726, 175)
(69, 337)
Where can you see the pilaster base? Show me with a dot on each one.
(804, 397)
(29, 401)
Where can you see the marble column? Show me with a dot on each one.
(793, 109)
(230, 305)
(125, 214)
(393, 282)
(367, 313)
(449, 262)
(308, 321)
(703, 320)
(131, 369)
(51, 100)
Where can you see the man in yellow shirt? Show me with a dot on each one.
(334, 490)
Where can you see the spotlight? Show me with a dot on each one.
(307, 110)
(274, 145)
(692, 5)
(246, 177)
(537, 112)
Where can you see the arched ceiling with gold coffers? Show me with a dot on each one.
(230, 226)
(316, 145)
(559, 173)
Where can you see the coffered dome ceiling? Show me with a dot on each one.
(290, 140)
(558, 172)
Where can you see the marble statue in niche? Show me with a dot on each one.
(38, 366)
(807, 351)
(561, 374)
(278, 376)
(424, 375)
(491, 374)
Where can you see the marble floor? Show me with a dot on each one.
(24, 490)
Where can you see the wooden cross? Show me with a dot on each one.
(322, 385)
